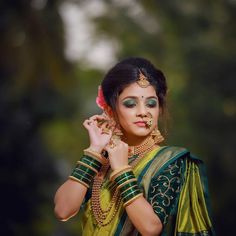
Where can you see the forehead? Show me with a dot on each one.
(134, 90)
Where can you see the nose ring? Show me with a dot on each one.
(150, 120)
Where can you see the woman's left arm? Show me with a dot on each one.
(149, 216)
(139, 211)
(143, 217)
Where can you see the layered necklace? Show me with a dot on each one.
(100, 214)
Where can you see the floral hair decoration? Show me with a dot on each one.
(100, 100)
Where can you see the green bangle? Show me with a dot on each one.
(85, 174)
(82, 178)
(91, 161)
(126, 186)
(129, 190)
(124, 179)
(131, 195)
(128, 173)
(84, 168)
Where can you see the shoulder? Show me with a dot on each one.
(172, 152)
(164, 157)
(175, 152)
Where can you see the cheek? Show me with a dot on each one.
(125, 116)
(155, 117)
(123, 119)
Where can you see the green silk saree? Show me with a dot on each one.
(189, 215)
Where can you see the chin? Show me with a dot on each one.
(141, 133)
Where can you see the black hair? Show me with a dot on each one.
(127, 72)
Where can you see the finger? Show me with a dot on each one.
(105, 131)
(87, 123)
(109, 146)
(104, 125)
(98, 117)
(124, 144)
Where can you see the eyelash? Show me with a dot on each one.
(151, 105)
(134, 104)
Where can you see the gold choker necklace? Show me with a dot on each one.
(143, 148)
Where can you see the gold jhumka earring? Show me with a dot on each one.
(156, 135)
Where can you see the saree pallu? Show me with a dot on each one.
(189, 216)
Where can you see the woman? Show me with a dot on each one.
(126, 183)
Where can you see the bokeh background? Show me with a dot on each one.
(54, 54)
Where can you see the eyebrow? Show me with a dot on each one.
(135, 97)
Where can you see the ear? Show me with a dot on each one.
(109, 111)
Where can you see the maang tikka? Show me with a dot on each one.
(142, 80)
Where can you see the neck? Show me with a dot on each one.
(135, 141)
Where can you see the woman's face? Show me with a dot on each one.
(135, 106)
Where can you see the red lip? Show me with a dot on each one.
(140, 123)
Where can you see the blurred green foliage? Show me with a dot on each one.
(44, 98)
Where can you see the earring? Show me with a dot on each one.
(116, 133)
(156, 135)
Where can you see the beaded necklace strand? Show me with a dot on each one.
(101, 215)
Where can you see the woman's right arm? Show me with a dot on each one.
(68, 199)
(70, 195)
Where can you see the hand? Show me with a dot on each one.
(118, 153)
(99, 132)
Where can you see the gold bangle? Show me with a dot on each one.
(132, 199)
(126, 182)
(69, 217)
(79, 181)
(119, 171)
(95, 155)
(88, 166)
(92, 152)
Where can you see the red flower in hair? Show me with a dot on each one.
(100, 100)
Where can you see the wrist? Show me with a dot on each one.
(119, 171)
(95, 155)
(87, 168)
(127, 184)
(95, 148)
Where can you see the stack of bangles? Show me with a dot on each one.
(127, 184)
(88, 167)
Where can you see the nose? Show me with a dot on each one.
(141, 111)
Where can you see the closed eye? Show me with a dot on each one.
(151, 103)
(129, 103)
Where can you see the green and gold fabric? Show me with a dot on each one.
(174, 183)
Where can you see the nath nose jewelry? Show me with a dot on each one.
(150, 120)
(149, 123)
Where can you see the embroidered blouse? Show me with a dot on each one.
(165, 188)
